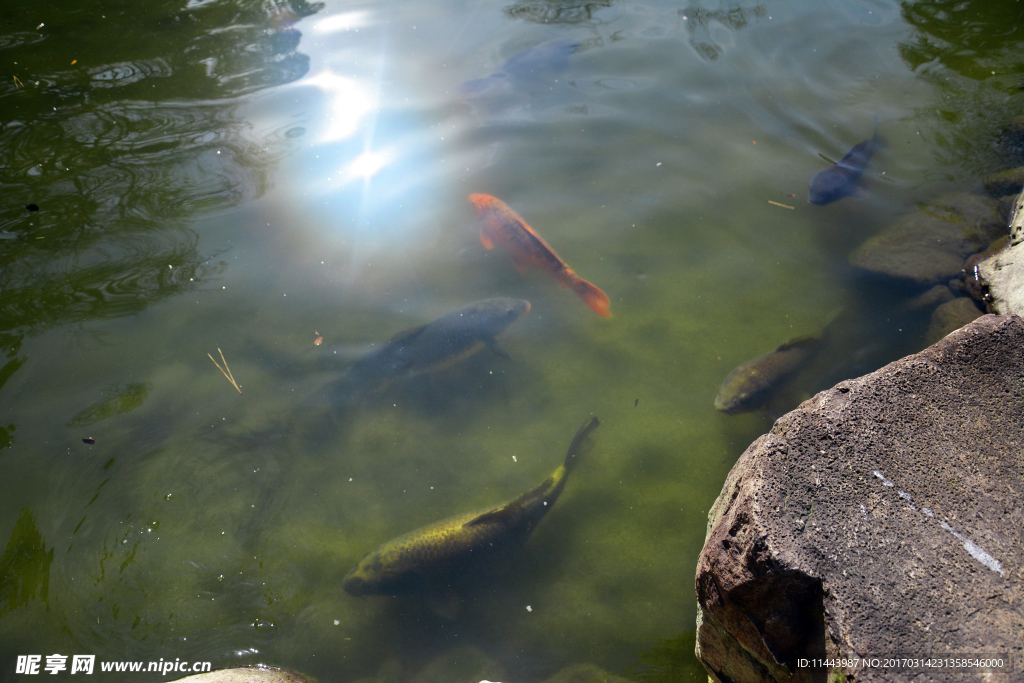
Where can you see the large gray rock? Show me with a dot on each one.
(882, 517)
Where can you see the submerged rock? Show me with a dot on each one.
(937, 295)
(585, 673)
(1003, 183)
(465, 664)
(950, 316)
(882, 517)
(1011, 142)
(930, 245)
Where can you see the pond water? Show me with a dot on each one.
(247, 177)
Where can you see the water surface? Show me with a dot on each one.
(244, 176)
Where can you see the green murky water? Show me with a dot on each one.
(244, 175)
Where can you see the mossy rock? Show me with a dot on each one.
(950, 316)
(976, 215)
(930, 245)
(1011, 142)
(936, 296)
(1000, 184)
(917, 247)
(585, 673)
(465, 664)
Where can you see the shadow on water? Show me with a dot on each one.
(701, 24)
(121, 127)
(971, 52)
(24, 566)
(670, 660)
(111, 153)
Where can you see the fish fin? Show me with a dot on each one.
(576, 446)
(486, 240)
(807, 342)
(496, 348)
(445, 603)
(593, 297)
(497, 515)
(407, 335)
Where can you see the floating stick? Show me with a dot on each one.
(227, 373)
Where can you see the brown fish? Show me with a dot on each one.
(499, 223)
(752, 384)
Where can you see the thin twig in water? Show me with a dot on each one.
(784, 206)
(227, 373)
(18, 83)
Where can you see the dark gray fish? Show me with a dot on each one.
(540, 61)
(430, 347)
(842, 179)
(752, 384)
(430, 557)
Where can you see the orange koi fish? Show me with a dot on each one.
(499, 223)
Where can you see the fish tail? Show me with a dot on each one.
(591, 295)
(577, 441)
(878, 139)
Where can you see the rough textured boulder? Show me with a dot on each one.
(882, 517)
(930, 245)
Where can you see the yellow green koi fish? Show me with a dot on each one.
(430, 558)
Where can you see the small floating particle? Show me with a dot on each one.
(32, 207)
(336, 622)
(636, 403)
(790, 195)
(784, 206)
(74, 61)
(40, 26)
(529, 609)
(89, 440)
(319, 338)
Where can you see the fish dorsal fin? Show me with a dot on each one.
(495, 516)
(506, 513)
(799, 343)
(407, 335)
